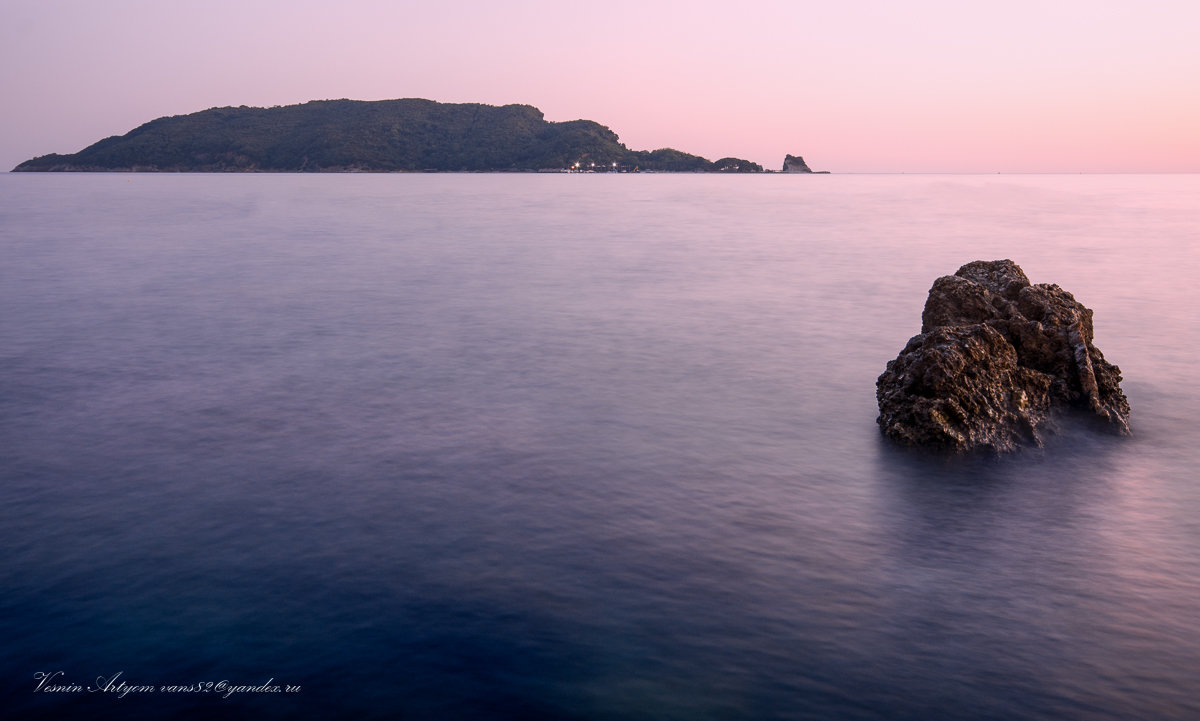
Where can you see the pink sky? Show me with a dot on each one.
(853, 86)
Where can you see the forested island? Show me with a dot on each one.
(374, 136)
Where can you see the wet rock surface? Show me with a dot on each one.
(996, 359)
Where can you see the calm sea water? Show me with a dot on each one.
(576, 447)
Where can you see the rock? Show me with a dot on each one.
(995, 359)
(795, 164)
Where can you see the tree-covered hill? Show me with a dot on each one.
(385, 135)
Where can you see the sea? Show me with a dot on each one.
(581, 446)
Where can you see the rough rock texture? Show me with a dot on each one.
(995, 358)
(795, 164)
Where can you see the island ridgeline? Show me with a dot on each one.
(382, 136)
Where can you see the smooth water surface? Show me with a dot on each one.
(576, 447)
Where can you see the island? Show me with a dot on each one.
(406, 135)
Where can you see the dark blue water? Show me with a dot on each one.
(575, 447)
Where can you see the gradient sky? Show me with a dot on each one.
(852, 85)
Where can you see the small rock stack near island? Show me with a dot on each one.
(997, 356)
(795, 164)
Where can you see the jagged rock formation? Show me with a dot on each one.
(795, 164)
(996, 357)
